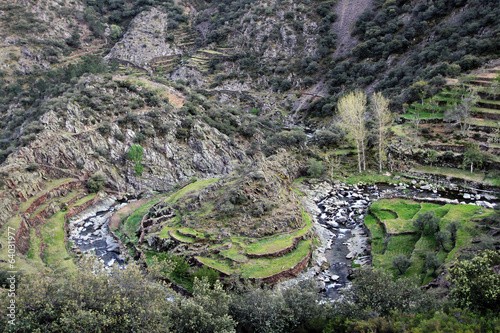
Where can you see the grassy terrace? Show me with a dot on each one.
(405, 239)
(480, 177)
(260, 267)
(232, 257)
(133, 221)
(53, 236)
(189, 188)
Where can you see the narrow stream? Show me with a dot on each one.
(342, 212)
(89, 231)
(342, 209)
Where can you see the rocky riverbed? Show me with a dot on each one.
(89, 232)
(338, 211)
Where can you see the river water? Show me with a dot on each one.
(340, 223)
(342, 211)
(89, 232)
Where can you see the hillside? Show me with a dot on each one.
(251, 142)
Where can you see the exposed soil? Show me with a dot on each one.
(124, 212)
(348, 12)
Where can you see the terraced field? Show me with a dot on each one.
(393, 236)
(247, 257)
(485, 113)
(39, 225)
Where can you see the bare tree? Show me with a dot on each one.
(352, 110)
(383, 118)
(461, 114)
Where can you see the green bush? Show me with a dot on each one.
(96, 182)
(206, 272)
(315, 169)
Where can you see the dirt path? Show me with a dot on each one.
(175, 97)
(121, 214)
(348, 12)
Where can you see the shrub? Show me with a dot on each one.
(139, 137)
(32, 167)
(96, 182)
(206, 272)
(315, 169)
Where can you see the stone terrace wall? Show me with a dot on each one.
(289, 273)
(22, 238)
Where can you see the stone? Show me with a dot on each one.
(335, 278)
(466, 196)
(341, 219)
(333, 223)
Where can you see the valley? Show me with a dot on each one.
(250, 165)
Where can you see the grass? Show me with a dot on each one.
(173, 198)
(400, 244)
(236, 252)
(372, 178)
(55, 254)
(132, 222)
(259, 267)
(235, 260)
(67, 198)
(270, 245)
(403, 209)
(181, 238)
(377, 234)
(423, 115)
(21, 263)
(417, 245)
(84, 199)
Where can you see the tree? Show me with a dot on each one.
(427, 223)
(432, 262)
(383, 119)
(453, 228)
(135, 154)
(375, 290)
(442, 237)
(401, 263)
(315, 169)
(474, 283)
(206, 311)
(432, 225)
(91, 299)
(461, 113)
(418, 90)
(473, 156)
(352, 110)
(262, 310)
(431, 156)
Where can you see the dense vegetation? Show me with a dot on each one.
(91, 301)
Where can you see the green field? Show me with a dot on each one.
(391, 237)
(260, 267)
